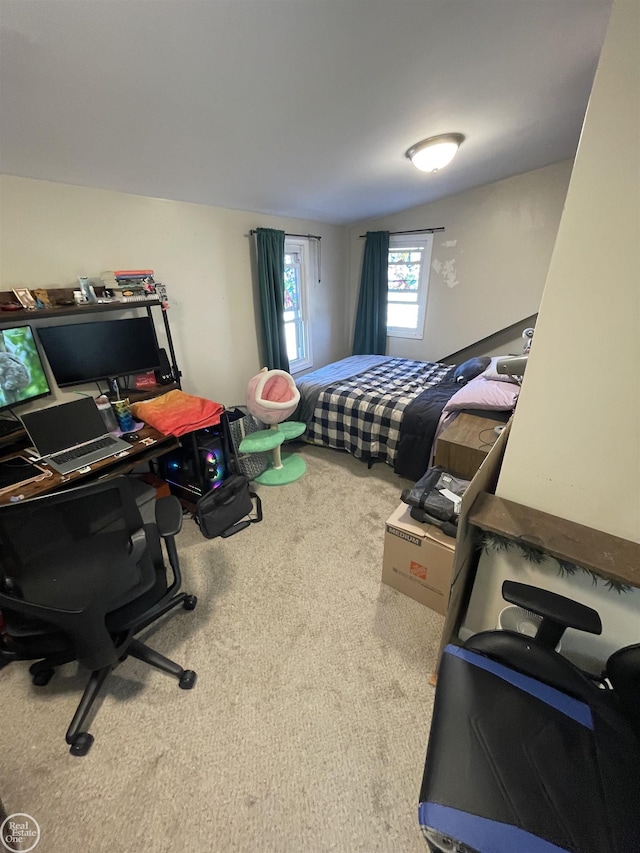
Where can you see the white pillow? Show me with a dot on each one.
(492, 371)
(482, 393)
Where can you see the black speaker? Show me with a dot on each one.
(164, 374)
(196, 467)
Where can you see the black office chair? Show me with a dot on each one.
(80, 576)
(528, 753)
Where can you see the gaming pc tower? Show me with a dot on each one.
(198, 466)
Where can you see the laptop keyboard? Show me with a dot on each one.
(79, 452)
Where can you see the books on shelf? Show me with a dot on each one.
(122, 277)
(135, 286)
(134, 276)
(133, 273)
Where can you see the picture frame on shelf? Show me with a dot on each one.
(42, 296)
(25, 298)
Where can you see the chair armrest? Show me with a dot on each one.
(169, 516)
(556, 608)
(137, 545)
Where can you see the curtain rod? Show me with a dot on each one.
(415, 231)
(310, 236)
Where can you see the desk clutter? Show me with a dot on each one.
(144, 417)
(71, 435)
(25, 473)
(141, 419)
(120, 286)
(110, 348)
(20, 471)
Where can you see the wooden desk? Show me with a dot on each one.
(138, 453)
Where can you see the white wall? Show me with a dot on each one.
(574, 446)
(503, 234)
(51, 233)
(618, 611)
(489, 265)
(574, 449)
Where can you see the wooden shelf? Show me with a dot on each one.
(13, 317)
(609, 556)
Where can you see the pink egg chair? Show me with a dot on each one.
(272, 397)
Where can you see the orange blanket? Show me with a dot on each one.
(176, 413)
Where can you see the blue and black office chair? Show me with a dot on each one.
(81, 575)
(528, 754)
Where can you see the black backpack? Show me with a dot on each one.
(435, 499)
(226, 510)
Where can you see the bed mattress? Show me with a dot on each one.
(362, 412)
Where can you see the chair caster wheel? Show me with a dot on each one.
(187, 679)
(82, 744)
(42, 677)
(190, 602)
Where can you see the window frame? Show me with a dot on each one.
(425, 243)
(301, 246)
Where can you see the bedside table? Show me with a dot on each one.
(463, 445)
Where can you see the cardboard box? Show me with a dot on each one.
(466, 554)
(418, 560)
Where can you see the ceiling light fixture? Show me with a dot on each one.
(435, 153)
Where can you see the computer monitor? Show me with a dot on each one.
(22, 376)
(88, 352)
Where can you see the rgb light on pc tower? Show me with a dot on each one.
(215, 469)
(198, 466)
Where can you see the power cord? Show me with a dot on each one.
(486, 445)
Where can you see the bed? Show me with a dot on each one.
(384, 408)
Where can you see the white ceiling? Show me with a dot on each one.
(295, 107)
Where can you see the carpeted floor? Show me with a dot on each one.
(307, 728)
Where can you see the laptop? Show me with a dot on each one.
(71, 435)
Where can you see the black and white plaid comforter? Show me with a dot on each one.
(363, 414)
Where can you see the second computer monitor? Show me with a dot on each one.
(88, 352)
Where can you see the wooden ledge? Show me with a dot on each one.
(607, 555)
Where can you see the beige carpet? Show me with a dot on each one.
(307, 728)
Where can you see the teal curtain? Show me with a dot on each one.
(270, 250)
(370, 334)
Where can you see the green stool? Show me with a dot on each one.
(284, 468)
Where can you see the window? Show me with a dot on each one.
(408, 282)
(297, 275)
